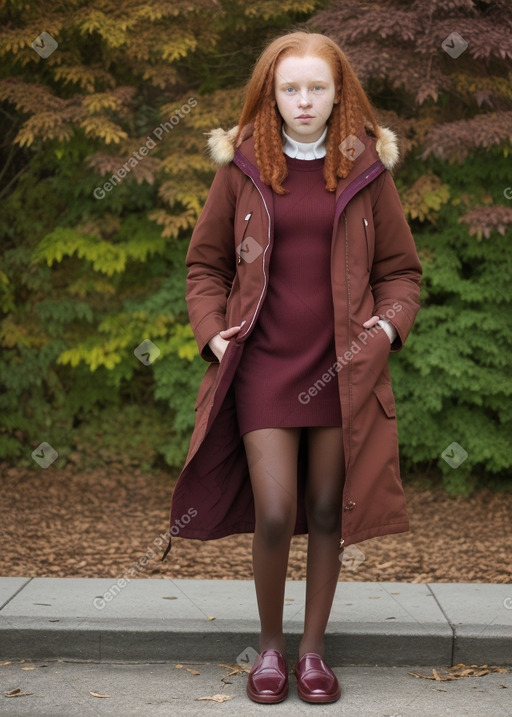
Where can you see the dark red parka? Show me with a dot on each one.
(375, 270)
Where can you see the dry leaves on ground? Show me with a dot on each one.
(110, 517)
(17, 693)
(456, 672)
(216, 698)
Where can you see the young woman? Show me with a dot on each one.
(302, 277)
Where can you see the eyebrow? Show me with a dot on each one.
(313, 82)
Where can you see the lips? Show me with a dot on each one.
(304, 117)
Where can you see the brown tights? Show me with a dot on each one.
(272, 458)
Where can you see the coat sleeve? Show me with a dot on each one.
(211, 263)
(396, 272)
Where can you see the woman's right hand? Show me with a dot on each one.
(219, 342)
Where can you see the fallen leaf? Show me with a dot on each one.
(210, 617)
(8, 662)
(170, 597)
(17, 693)
(458, 671)
(235, 670)
(96, 694)
(28, 667)
(216, 698)
(192, 672)
(178, 667)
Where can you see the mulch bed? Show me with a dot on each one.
(63, 522)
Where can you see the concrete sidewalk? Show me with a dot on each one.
(165, 620)
(62, 689)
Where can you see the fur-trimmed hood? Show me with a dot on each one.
(221, 146)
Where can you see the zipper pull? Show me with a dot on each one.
(247, 218)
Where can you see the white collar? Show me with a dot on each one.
(304, 150)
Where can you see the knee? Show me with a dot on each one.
(275, 526)
(324, 517)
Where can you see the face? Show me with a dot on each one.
(305, 94)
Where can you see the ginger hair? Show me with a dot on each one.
(348, 116)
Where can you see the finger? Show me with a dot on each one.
(371, 322)
(230, 332)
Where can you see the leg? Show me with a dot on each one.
(272, 458)
(324, 487)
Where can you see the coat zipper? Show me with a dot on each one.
(264, 257)
(359, 183)
(247, 219)
(365, 224)
(341, 541)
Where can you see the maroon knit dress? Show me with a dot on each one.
(292, 343)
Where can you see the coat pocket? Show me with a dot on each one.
(385, 396)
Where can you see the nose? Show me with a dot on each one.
(303, 100)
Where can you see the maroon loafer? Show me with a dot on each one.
(268, 678)
(316, 682)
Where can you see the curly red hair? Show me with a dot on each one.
(348, 116)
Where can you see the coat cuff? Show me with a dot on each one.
(388, 328)
(399, 320)
(205, 330)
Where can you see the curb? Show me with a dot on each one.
(166, 620)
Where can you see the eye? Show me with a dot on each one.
(289, 90)
(318, 88)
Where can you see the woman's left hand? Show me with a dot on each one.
(371, 322)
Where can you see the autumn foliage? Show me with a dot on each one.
(103, 173)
